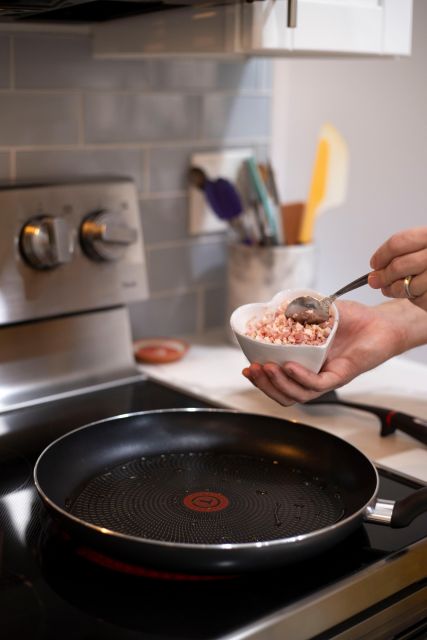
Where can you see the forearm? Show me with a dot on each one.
(410, 323)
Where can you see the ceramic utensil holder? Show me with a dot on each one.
(256, 274)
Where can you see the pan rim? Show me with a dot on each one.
(198, 546)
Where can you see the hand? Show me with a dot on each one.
(366, 337)
(402, 255)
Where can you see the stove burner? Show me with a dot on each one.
(163, 604)
(119, 566)
(206, 501)
(47, 580)
(228, 499)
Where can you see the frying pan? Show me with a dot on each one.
(212, 491)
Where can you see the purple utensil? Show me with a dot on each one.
(221, 194)
(223, 198)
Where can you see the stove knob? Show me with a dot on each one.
(106, 236)
(47, 242)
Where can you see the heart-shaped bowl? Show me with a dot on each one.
(310, 356)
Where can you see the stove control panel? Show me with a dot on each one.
(105, 235)
(47, 242)
(69, 247)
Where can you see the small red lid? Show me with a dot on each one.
(160, 350)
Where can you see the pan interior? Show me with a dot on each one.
(208, 498)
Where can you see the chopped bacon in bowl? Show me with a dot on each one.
(266, 335)
(275, 328)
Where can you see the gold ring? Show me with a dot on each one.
(406, 284)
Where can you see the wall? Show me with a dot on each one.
(65, 114)
(379, 105)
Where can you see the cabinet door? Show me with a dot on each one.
(344, 25)
(375, 27)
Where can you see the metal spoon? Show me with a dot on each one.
(309, 310)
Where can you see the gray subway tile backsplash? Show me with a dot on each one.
(50, 61)
(4, 62)
(225, 116)
(80, 116)
(164, 219)
(4, 166)
(205, 75)
(82, 162)
(243, 76)
(140, 118)
(173, 315)
(187, 265)
(214, 306)
(168, 168)
(38, 119)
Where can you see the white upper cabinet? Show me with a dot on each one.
(323, 27)
(378, 27)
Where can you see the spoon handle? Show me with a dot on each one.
(349, 287)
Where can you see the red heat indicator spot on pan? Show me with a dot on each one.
(206, 501)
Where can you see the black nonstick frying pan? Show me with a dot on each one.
(212, 491)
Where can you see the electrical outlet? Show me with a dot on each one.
(223, 164)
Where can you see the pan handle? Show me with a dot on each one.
(401, 513)
(415, 427)
(409, 508)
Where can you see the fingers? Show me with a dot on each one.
(402, 255)
(417, 287)
(256, 374)
(412, 264)
(290, 383)
(399, 244)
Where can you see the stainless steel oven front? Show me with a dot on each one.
(71, 260)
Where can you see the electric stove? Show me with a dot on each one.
(71, 261)
(372, 585)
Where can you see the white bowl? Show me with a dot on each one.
(310, 356)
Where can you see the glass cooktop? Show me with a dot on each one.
(51, 586)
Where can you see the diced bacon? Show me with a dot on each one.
(275, 328)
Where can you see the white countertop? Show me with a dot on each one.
(212, 367)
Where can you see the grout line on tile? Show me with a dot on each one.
(162, 195)
(81, 119)
(145, 170)
(12, 165)
(143, 92)
(200, 310)
(184, 242)
(166, 293)
(215, 143)
(12, 81)
(180, 290)
(46, 28)
(180, 91)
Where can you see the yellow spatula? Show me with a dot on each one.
(328, 186)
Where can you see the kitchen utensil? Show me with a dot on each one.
(267, 175)
(201, 490)
(221, 195)
(263, 233)
(311, 310)
(292, 214)
(223, 198)
(309, 355)
(271, 180)
(329, 179)
(390, 419)
(265, 201)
